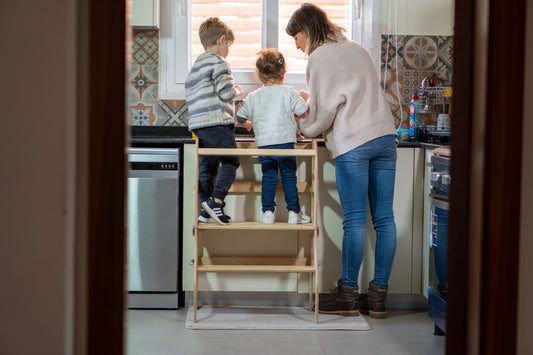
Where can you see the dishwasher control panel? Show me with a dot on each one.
(150, 159)
(153, 165)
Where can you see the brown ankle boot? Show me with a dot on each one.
(373, 302)
(343, 300)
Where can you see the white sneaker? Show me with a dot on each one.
(268, 217)
(301, 217)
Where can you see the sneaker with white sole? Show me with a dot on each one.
(204, 217)
(301, 217)
(215, 210)
(268, 217)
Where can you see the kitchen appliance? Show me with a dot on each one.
(153, 227)
(440, 180)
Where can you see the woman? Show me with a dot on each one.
(347, 106)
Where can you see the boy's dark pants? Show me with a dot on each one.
(216, 137)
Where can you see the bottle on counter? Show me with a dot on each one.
(414, 117)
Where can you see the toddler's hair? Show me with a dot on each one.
(270, 65)
(212, 29)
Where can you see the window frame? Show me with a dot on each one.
(175, 32)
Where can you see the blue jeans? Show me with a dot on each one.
(216, 137)
(367, 171)
(287, 169)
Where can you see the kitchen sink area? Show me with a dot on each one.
(410, 277)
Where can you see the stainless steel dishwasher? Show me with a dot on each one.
(153, 227)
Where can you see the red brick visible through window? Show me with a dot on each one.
(244, 18)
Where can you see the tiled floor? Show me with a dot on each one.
(163, 332)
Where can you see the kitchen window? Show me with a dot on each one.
(257, 24)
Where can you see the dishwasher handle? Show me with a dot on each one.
(154, 174)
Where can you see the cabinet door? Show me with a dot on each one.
(406, 275)
(145, 13)
(406, 272)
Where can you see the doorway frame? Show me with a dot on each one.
(483, 268)
(104, 87)
(486, 169)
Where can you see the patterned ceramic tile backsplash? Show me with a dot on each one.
(405, 61)
(144, 106)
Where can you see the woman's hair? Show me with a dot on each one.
(312, 20)
(212, 29)
(270, 65)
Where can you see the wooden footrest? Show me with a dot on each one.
(266, 264)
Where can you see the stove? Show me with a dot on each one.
(440, 180)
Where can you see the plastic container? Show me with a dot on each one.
(443, 122)
(414, 117)
(403, 134)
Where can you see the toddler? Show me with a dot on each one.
(270, 111)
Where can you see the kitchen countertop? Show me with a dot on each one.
(171, 136)
(159, 135)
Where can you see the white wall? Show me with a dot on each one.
(525, 315)
(417, 17)
(37, 176)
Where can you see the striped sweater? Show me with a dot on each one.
(209, 92)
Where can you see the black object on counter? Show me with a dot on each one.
(159, 132)
(175, 132)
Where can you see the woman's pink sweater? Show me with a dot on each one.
(346, 103)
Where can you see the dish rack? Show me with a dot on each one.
(435, 98)
(436, 131)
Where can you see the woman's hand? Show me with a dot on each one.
(248, 125)
(238, 90)
(304, 94)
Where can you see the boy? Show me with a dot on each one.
(210, 91)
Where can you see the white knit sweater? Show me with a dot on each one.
(346, 103)
(270, 109)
